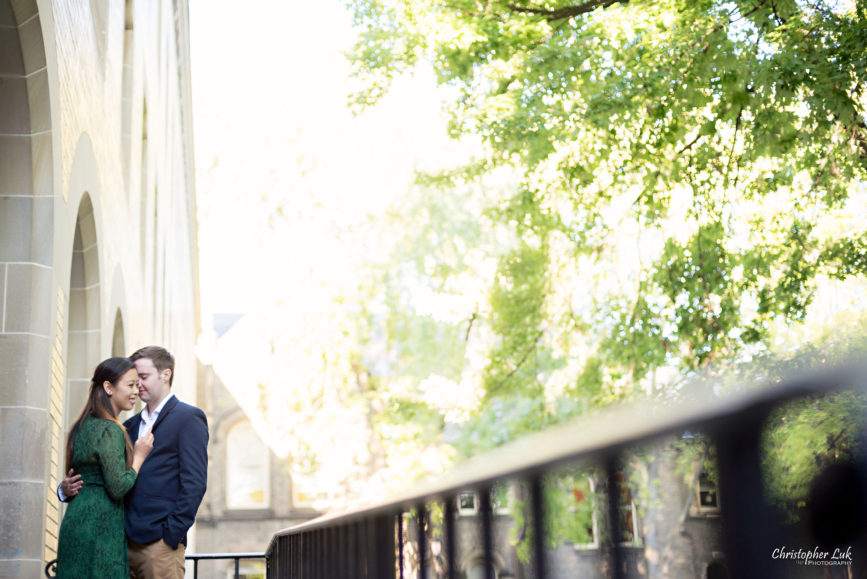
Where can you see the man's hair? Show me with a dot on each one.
(161, 358)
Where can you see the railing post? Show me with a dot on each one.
(421, 520)
(750, 527)
(320, 553)
(307, 554)
(486, 512)
(615, 532)
(343, 546)
(400, 540)
(380, 547)
(538, 518)
(450, 539)
(331, 554)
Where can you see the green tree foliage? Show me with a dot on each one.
(720, 137)
(806, 437)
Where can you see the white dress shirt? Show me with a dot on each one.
(147, 419)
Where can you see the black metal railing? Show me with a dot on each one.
(420, 534)
(51, 566)
(236, 557)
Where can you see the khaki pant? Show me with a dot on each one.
(155, 560)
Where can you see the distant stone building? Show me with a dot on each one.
(250, 491)
(97, 229)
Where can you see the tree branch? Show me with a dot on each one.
(567, 11)
(858, 136)
(470, 326)
(690, 144)
(523, 359)
(780, 20)
(734, 144)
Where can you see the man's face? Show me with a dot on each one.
(153, 384)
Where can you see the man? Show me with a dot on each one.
(162, 505)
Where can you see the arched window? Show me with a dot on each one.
(477, 570)
(630, 530)
(247, 472)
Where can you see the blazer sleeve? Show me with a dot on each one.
(193, 465)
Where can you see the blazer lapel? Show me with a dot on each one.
(165, 412)
(132, 427)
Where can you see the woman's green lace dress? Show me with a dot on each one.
(92, 538)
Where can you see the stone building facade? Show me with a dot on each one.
(97, 229)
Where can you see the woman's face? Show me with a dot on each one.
(123, 392)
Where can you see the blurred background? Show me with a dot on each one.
(385, 239)
(381, 298)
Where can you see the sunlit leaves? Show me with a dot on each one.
(685, 176)
(730, 102)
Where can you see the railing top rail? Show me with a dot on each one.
(203, 556)
(592, 436)
(51, 566)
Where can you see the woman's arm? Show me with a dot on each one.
(111, 448)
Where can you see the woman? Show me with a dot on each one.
(92, 539)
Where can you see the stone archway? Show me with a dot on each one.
(118, 338)
(84, 311)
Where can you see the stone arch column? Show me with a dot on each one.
(126, 92)
(31, 311)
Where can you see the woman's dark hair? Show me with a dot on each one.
(99, 404)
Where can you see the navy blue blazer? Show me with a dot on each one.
(173, 478)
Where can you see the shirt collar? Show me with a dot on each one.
(146, 416)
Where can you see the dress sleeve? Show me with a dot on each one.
(112, 460)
